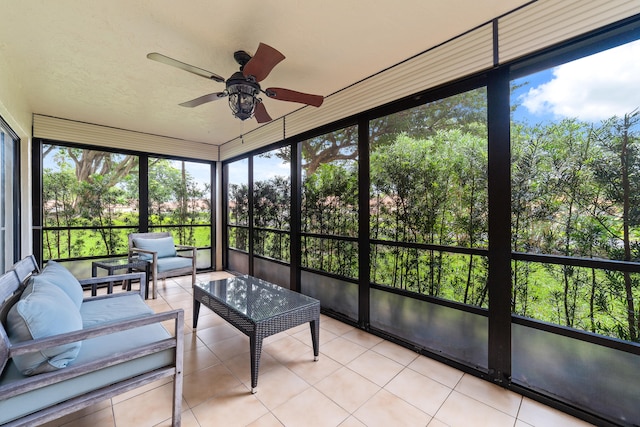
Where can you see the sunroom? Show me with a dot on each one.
(465, 194)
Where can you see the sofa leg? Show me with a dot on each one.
(177, 400)
(178, 378)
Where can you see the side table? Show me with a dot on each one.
(115, 264)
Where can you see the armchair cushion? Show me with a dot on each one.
(164, 246)
(173, 263)
(43, 310)
(61, 277)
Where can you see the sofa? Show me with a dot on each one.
(61, 352)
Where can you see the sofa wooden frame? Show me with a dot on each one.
(12, 284)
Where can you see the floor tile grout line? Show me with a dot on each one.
(484, 403)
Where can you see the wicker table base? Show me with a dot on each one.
(258, 309)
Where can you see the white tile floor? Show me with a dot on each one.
(360, 380)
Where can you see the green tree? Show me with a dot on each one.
(188, 196)
(100, 210)
(470, 210)
(619, 172)
(84, 188)
(165, 186)
(462, 111)
(411, 175)
(238, 205)
(430, 191)
(571, 152)
(89, 164)
(272, 200)
(330, 207)
(60, 190)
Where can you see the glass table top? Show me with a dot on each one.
(114, 262)
(255, 298)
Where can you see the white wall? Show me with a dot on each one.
(15, 110)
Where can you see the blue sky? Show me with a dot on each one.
(592, 89)
(264, 168)
(519, 95)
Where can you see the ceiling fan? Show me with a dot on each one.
(243, 87)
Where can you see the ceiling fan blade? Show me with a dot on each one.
(190, 68)
(262, 62)
(261, 114)
(293, 96)
(204, 99)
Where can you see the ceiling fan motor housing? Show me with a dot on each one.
(241, 58)
(243, 94)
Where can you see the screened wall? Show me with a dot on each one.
(90, 198)
(489, 222)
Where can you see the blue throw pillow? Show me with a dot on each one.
(42, 311)
(164, 246)
(61, 277)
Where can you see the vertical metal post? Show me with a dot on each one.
(17, 196)
(143, 193)
(295, 245)
(36, 200)
(363, 228)
(224, 195)
(499, 187)
(215, 217)
(250, 208)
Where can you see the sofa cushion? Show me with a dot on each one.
(61, 277)
(173, 263)
(105, 310)
(43, 310)
(92, 349)
(164, 246)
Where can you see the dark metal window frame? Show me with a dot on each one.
(16, 193)
(500, 318)
(143, 223)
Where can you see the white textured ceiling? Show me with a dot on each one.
(86, 60)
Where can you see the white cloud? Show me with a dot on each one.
(270, 168)
(592, 88)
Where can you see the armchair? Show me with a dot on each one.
(164, 256)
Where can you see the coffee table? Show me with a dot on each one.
(258, 309)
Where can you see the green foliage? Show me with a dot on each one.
(271, 210)
(575, 186)
(575, 192)
(330, 200)
(431, 191)
(330, 208)
(340, 146)
(96, 193)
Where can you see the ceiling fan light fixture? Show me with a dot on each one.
(243, 98)
(243, 87)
